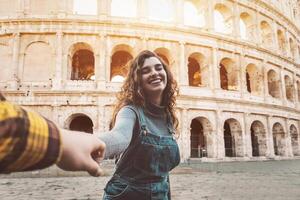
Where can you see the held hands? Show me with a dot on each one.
(81, 152)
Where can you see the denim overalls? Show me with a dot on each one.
(143, 171)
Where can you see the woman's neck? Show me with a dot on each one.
(155, 99)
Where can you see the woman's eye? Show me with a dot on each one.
(145, 71)
(159, 67)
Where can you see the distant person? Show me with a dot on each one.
(143, 130)
(29, 141)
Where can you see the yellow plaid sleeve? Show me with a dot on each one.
(28, 141)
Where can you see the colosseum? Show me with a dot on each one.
(237, 63)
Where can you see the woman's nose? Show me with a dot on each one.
(153, 72)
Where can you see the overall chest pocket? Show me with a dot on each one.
(156, 158)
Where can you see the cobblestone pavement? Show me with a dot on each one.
(275, 180)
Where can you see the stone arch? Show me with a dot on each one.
(198, 71)
(129, 8)
(39, 68)
(121, 55)
(247, 26)
(253, 79)
(223, 19)
(81, 62)
(295, 140)
(161, 10)
(266, 34)
(258, 139)
(194, 13)
(293, 48)
(80, 122)
(279, 137)
(281, 41)
(233, 141)
(164, 54)
(273, 84)
(201, 137)
(5, 64)
(289, 88)
(228, 74)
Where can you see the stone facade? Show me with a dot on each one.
(236, 62)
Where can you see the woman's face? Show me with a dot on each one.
(153, 76)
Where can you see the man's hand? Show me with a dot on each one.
(81, 152)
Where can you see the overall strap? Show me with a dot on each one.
(170, 124)
(142, 121)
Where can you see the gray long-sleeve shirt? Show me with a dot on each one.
(118, 139)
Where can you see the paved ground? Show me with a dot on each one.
(275, 180)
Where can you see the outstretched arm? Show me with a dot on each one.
(29, 141)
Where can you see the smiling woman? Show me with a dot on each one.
(85, 7)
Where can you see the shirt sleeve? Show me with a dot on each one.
(118, 139)
(28, 141)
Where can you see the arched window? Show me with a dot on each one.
(119, 60)
(193, 16)
(81, 122)
(253, 79)
(39, 62)
(161, 10)
(228, 74)
(281, 42)
(273, 84)
(223, 19)
(82, 7)
(266, 34)
(293, 48)
(247, 27)
(123, 8)
(83, 65)
(289, 88)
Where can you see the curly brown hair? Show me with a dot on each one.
(131, 92)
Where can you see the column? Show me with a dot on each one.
(142, 11)
(270, 145)
(258, 31)
(288, 44)
(62, 9)
(107, 58)
(295, 91)
(144, 42)
(275, 38)
(282, 85)
(288, 142)
(242, 74)
(185, 135)
(219, 135)
(215, 70)
(104, 8)
(179, 12)
(20, 9)
(15, 60)
(26, 7)
(247, 137)
(57, 82)
(209, 16)
(265, 80)
(183, 76)
(100, 70)
(236, 20)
